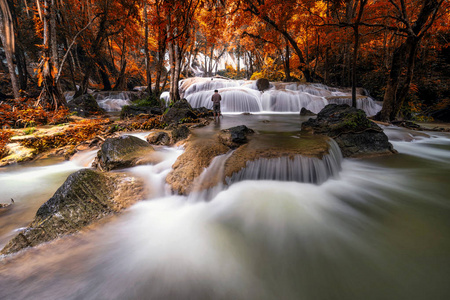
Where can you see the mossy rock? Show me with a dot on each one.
(85, 197)
(124, 152)
(356, 135)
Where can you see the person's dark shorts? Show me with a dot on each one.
(216, 108)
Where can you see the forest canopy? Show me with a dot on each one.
(397, 49)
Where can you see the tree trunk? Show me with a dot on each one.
(104, 75)
(7, 37)
(287, 67)
(53, 42)
(147, 52)
(51, 96)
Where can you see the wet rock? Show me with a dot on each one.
(159, 138)
(235, 136)
(181, 111)
(133, 110)
(263, 84)
(17, 153)
(197, 156)
(356, 135)
(85, 106)
(203, 112)
(85, 197)
(180, 133)
(123, 152)
(306, 112)
(169, 137)
(200, 153)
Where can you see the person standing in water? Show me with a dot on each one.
(216, 98)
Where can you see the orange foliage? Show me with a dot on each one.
(21, 113)
(5, 136)
(77, 133)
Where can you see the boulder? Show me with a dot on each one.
(273, 147)
(85, 106)
(180, 111)
(306, 112)
(159, 137)
(134, 110)
(169, 137)
(235, 136)
(85, 197)
(203, 112)
(356, 135)
(186, 176)
(180, 133)
(263, 84)
(124, 152)
(197, 156)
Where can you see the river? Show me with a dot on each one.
(380, 229)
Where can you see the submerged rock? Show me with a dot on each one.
(85, 197)
(356, 135)
(123, 152)
(235, 136)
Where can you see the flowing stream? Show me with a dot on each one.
(378, 229)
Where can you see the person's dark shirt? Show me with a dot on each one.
(216, 98)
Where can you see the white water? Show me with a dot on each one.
(299, 168)
(380, 230)
(242, 96)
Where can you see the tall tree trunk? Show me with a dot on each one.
(51, 96)
(7, 37)
(147, 52)
(54, 43)
(404, 57)
(175, 66)
(104, 75)
(287, 67)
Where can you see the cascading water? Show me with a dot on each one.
(112, 102)
(298, 168)
(380, 230)
(243, 96)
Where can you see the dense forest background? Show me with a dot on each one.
(397, 49)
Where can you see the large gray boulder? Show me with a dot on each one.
(356, 135)
(124, 152)
(85, 197)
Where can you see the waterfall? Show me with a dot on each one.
(290, 101)
(113, 101)
(209, 85)
(210, 181)
(298, 168)
(243, 96)
(364, 103)
(233, 100)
